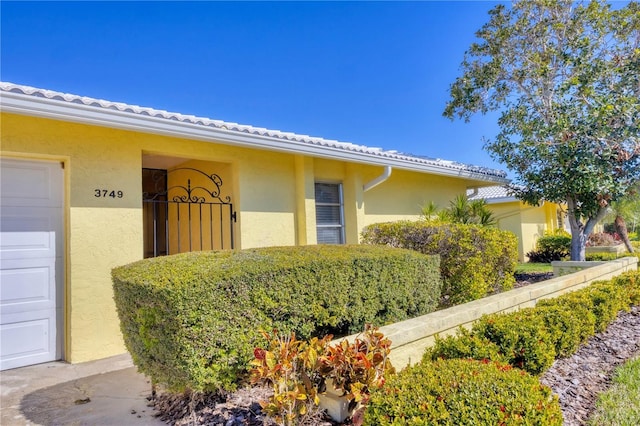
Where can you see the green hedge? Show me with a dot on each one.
(475, 260)
(602, 300)
(602, 256)
(580, 306)
(192, 320)
(522, 338)
(462, 392)
(533, 337)
(463, 379)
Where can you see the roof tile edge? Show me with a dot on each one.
(89, 102)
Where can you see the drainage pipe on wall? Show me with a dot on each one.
(377, 181)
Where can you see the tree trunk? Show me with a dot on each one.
(580, 232)
(578, 244)
(621, 229)
(578, 239)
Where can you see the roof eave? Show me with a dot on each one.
(499, 200)
(43, 107)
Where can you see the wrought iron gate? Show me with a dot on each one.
(181, 216)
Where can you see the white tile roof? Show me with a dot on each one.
(13, 96)
(491, 194)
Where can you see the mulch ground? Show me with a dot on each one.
(579, 379)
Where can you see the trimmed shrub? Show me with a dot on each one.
(192, 320)
(474, 260)
(532, 338)
(607, 301)
(581, 306)
(462, 392)
(521, 338)
(464, 345)
(602, 300)
(529, 339)
(629, 283)
(550, 247)
(601, 257)
(525, 338)
(563, 328)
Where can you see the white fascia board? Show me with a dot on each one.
(85, 114)
(501, 200)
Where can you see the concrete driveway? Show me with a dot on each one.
(101, 393)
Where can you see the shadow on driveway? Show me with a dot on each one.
(64, 394)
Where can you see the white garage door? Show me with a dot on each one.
(31, 247)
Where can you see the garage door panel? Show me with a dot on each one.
(30, 219)
(26, 285)
(27, 245)
(27, 339)
(31, 184)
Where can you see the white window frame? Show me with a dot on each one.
(339, 204)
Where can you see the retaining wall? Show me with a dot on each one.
(411, 337)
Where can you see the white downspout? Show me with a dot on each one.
(474, 193)
(377, 181)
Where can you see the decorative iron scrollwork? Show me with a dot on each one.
(187, 193)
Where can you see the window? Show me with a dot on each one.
(329, 213)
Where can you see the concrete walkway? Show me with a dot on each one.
(98, 393)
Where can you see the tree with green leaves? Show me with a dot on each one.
(566, 78)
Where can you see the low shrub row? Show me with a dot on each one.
(602, 256)
(470, 378)
(462, 392)
(475, 261)
(532, 338)
(191, 321)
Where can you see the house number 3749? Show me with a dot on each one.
(107, 193)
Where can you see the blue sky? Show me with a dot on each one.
(370, 73)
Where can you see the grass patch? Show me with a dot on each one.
(529, 268)
(620, 405)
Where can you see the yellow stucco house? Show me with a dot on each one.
(528, 222)
(89, 184)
